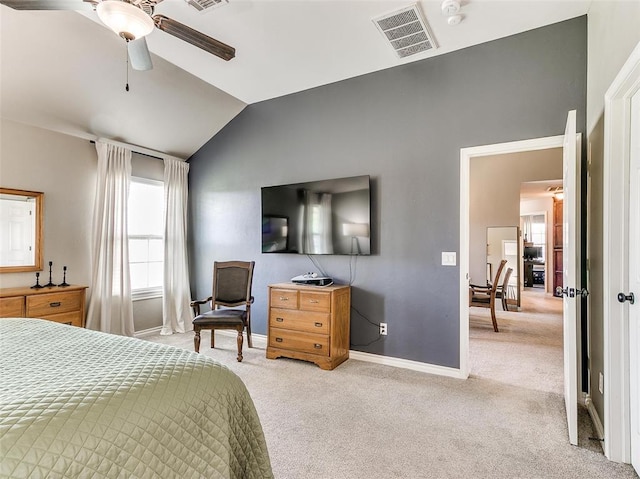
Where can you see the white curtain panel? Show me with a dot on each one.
(110, 307)
(176, 313)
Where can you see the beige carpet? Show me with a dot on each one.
(527, 352)
(369, 421)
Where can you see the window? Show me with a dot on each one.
(146, 237)
(535, 232)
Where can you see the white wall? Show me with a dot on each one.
(613, 32)
(63, 167)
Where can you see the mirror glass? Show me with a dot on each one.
(503, 242)
(21, 220)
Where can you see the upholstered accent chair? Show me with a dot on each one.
(231, 289)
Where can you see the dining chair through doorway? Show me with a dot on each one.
(485, 296)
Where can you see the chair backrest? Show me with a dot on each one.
(494, 284)
(232, 283)
(505, 281)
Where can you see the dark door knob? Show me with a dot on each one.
(626, 297)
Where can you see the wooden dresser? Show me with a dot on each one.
(311, 323)
(63, 305)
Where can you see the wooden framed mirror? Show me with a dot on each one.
(503, 242)
(21, 228)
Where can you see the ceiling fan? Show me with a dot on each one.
(132, 20)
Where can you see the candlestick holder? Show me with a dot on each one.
(64, 278)
(50, 283)
(37, 285)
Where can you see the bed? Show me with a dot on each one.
(80, 403)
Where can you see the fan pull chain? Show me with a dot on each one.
(126, 50)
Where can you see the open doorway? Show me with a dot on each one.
(492, 175)
(541, 226)
(528, 350)
(572, 292)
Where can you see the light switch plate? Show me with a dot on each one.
(448, 258)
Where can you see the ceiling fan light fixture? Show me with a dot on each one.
(125, 19)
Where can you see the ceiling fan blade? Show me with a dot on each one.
(139, 54)
(194, 37)
(49, 4)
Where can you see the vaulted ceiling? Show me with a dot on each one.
(64, 71)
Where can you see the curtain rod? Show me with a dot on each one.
(149, 153)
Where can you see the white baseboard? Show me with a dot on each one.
(407, 364)
(147, 332)
(597, 423)
(260, 340)
(257, 339)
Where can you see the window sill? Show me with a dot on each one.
(144, 294)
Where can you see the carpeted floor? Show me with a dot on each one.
(364, 420)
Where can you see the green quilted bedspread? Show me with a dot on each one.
(79, 403)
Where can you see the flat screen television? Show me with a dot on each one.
(318, 217)
(533, 252)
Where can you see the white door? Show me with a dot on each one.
(634, 282)
(570, 273)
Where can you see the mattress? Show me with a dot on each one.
(80, 403)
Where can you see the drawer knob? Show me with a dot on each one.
(318, 325)
(278, 340)
(284, 298)
(55, 305)
(317, 346)
(314, 301)
(279, 320)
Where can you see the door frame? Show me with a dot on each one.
(466, 154)
(617, 137)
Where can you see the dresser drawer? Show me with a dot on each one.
(12, 307)
(315, 301)
(299, 341)
(74, 318)
(299, 321)
(53, 303)
(284, 298)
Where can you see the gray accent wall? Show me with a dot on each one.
(404, 127)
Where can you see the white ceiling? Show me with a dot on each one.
(63, 71)
(539, 189)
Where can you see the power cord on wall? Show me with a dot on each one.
(353, 262)
(370, 322)
(317, 265)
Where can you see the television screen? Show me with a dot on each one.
(318, 217)
(533, 252)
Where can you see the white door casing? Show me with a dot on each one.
(466, 155)
(570, 273)
(616, 260)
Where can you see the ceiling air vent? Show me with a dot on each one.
(554, 189)
(406, 31)
(204, 5)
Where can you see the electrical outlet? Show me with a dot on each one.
(383, 329)
(601, 383)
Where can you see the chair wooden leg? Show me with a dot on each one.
(493, 317)
(240, 340)
(196, 340)
(213, 338)
(249, 343)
